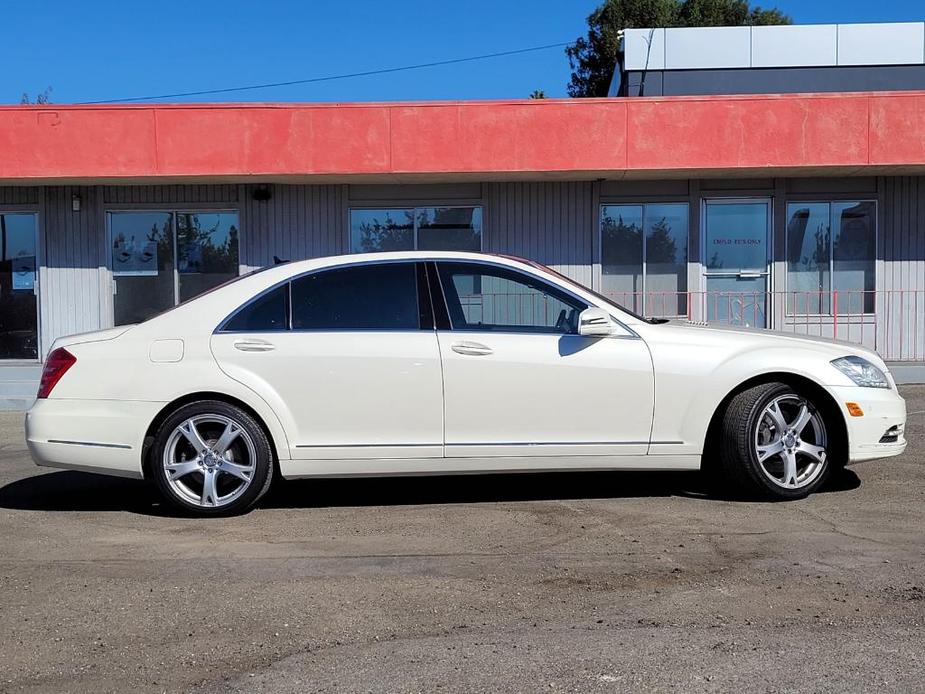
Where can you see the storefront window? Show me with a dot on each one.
(162, 258)
(416, 228)
(207, 251)
(18, 317)
(644, 257)
(831, 247)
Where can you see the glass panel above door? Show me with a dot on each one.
(18, 318)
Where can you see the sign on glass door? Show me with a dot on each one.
(736, 261)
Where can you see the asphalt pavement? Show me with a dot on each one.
(604, 582)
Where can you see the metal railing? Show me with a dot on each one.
(890, 321)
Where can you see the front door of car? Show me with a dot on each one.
(519, 380)
(347, 359)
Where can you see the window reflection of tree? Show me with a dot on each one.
(194, 240)
(452, 229)
(621, 250)
(387, 235)
(443, 228)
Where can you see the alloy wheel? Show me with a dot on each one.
(209, 460)
(790, 442)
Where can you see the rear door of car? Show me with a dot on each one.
(347, 357)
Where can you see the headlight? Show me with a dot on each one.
(862, 372)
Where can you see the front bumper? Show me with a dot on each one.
(883, 409)
(92, 435)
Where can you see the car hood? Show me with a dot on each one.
(768, 338)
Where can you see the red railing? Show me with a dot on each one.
(890, 321)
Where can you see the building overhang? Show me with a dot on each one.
(556, 139)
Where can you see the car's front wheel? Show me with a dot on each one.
(211, 458)
(775, 443)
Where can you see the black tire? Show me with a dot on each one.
(261, 476)
(739, 464)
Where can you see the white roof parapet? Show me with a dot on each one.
(796, 45)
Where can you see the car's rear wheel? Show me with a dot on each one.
(775, 442)
(212, 458)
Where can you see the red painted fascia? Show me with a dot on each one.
(562, 137)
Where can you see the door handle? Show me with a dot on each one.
(473, 349)
(253, 346)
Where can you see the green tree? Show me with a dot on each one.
(538, 94)
(593, 58)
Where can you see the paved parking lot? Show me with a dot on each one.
(586, 582)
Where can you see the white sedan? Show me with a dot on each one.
(445, 363)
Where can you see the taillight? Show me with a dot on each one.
(56, 365)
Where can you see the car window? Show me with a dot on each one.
(379, 296)
(487, 297)
(268, 312)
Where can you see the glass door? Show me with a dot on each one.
(18, 306)
(736, 243)
(159, 259)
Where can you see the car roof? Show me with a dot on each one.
(406, 255)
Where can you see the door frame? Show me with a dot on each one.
(768, 270)
(38, 238)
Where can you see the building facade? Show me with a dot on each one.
(772, 59)
(802, 213)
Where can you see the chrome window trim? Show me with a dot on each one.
(289, 280)
(530, 270)
(526, 269)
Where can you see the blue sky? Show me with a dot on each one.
(107, 49)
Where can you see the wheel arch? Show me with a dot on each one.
(173, 405)
(821, 396)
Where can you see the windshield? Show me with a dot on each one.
(598, 295)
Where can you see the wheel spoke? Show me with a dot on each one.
(231, 432)
(817, 453)
(209, 488)
(185, 467)
(799, 424)
(777, 418)
(240, 471)
(790, 469)
(765, 452)
(191, 433)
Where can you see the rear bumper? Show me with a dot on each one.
(93, 435)
(883, 409)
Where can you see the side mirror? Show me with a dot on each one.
(595, 322)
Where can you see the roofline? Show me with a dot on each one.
(294, 105)
(558, 139)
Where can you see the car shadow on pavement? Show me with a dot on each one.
(78, 491)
